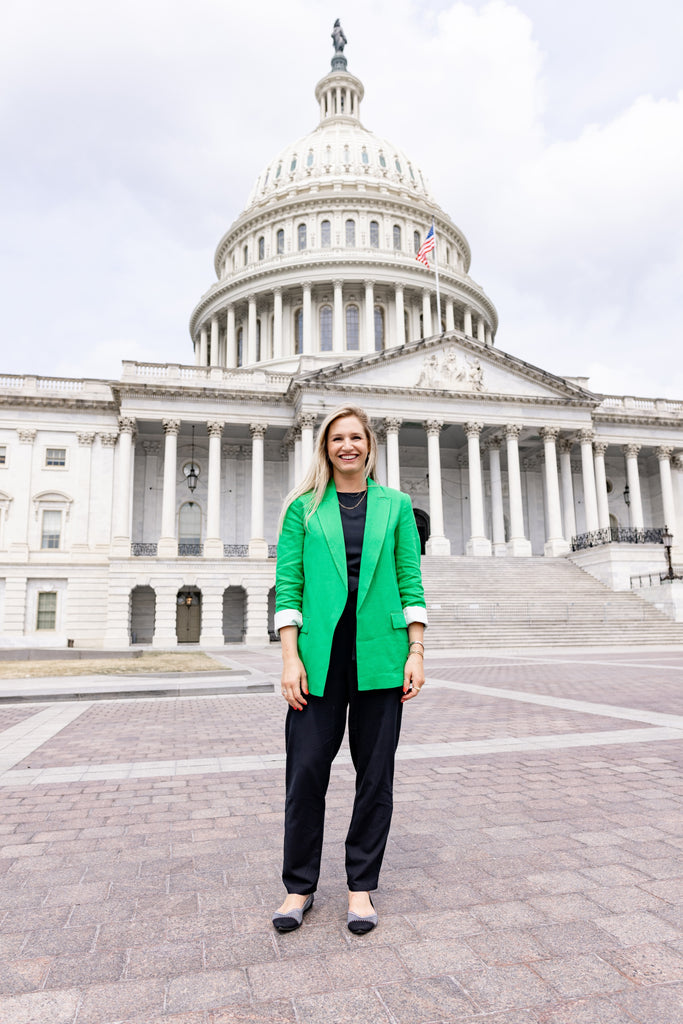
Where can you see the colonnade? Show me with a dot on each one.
(262, 326)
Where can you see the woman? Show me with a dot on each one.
(351, 613)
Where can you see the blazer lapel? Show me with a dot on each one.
(329, 518)
(376, 520)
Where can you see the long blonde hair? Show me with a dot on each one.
(320, 471)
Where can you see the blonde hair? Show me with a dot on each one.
(320, 471)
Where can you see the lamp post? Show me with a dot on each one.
(667, 540)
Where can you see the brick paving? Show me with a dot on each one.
(521, 885)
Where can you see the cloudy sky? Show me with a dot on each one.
(552, 133)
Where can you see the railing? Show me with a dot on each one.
(272, 551)
(148, 550)
(235, 550)
(653, 579)
(618, 535)
(537, 612)
(190, 550)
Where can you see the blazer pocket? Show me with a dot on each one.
(398, 620)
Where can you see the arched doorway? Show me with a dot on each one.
(234, 615)
(188, 621)
(142, 610)
(422, 523)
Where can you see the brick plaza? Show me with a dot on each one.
(534, 873)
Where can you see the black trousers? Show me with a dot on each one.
(313, 737)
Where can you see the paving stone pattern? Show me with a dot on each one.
(519, 887)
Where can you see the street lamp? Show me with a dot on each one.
(667, 541)
(627, 496)
(192, 474)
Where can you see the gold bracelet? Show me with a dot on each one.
(416, 642)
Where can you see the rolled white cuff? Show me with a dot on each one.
(415, 613)
(287, 617)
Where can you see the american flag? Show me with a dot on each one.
(426, 247)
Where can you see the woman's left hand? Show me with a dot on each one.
(413, 677)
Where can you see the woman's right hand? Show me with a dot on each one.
(294, 683)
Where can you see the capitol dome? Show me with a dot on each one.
(320, 265)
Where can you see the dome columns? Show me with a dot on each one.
(369, 332)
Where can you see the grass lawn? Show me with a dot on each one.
(149, 663)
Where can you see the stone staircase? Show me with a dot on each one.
(524, 602)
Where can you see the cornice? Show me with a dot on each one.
(57, 402)
(634, 418)
(414, 395)
(222, 396)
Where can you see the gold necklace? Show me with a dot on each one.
(350, 508)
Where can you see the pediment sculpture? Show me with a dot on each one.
(448, 369)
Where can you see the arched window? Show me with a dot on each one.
(416, 241)
(382, 160)
(325, 234)
(374, 234)
(301, 236)
(379, 329)
(352, 332)
(292, 166)
(397, 163)
(261, 247)
(448, 255)
(298, 332)
(240, 346)
(280, 241)
(364, 156)
(245, 252)
(258, 339)
(350, 232)
(190, 523)
(397, 236)
(326, 328)
(279, 170)
(309, 158)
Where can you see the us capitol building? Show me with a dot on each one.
(144, 510)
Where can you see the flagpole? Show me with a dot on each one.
(438, 293)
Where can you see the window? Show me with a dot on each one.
(240, 346)
(279, 170)
(347, 155)
(326, 328)
(190, 523)
(52, 529)
(3, 454)
(350, 232)
(448, 255)
(352, 333)
(261, 247)
(245, 253)
(301, 236)
(397, 236)
(309, 158)
(325, 234)
(379, 329)
(364, 156)
(374, 234)
(416, 242)
(55, 456)
(410, 168)
(397, 163)
(292, 166)
(382, 160)
(280, 241)
(46, 614)
(298, 332)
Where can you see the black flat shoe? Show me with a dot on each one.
(290, 921)
(360, 925)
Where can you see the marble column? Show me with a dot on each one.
(518, 545)
(664, 453)
(298, 461)
(306, 425)
(230, 338)
(381, 468)
(258, 547)
(499, 547)
(251, 331)
(197, 351)
(212, 614)
(426, 313)
(599, 449)
(277, 323)
(168, 541)
(481, 330)
(369, 332)
(307, 323)
(338, 318)
(438, 543)
(633, 479)
(150, 511)
(23, 486)
(120, 544)
(393, 425)
(478, 544)
(590, 496)
(488, 336)
(215, 336)
(555, 543)
(467, 323)
(165, 612)
(450, 315)
(81, 526)
(400, 338)
(568, 513)
(213, 544)
(203, 347)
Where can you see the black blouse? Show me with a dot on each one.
(353, 524)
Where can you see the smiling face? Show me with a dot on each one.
(347, 450)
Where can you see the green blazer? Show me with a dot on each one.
(312, 587)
